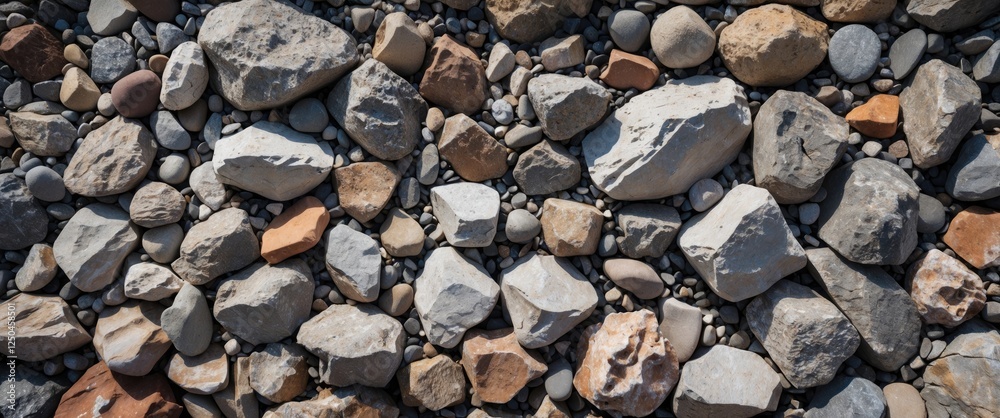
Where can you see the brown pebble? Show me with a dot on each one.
(626, 71)
(158, 63)
(137, 94)
(899, 149)
(33, 52)
(76, 56)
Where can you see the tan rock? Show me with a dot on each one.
(45, 326)
(99, 392)
(453, 65)
(352, 401)
(550, 409)
(624, 366)
(129, 339)
(876, 118)
(158, 63)
(497, 365)
(627, 71)
(773, 45)
(433, 383)
(401, 236)
(78, 91)
(295, 230)
(398, 44)
(200, 406)
(526, 21)
(279, 372)
(472, 152)
(635, 276)
(903, 400)
(944, 290)
(857, 11)
(974, 234)
(237, 399)
(365, 188)
(560, 53)
(38, 270)
(203, 374)
(75, 55)
(570, 228)
(397, 300)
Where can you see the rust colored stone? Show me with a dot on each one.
(974, 234)
(295, 230)
(876, 118)
(944, 290)
(497, 365)
(434, 383)
(136, 95)
(455, 78)
(365, 188)
(33, 52)
(626, 71)
(570, 228)
(472, 152)
(102, 392)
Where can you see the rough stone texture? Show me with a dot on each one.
(93, 245)
(797, 141)
(264, 303)
(129, 339)
(558, 53)
(110, 17)
(628, 71)
(870, 213)
(855, 11)
(401, 236)
(546, 297)
(757, 47)
(43, 135)
(434, 383)
(103, 393)
(546, 168)
(151, 281)
(956, 383)
(664, 140)
(974, 176)
(355, 344)
(847, 397)
(726, 381)
(295, 230)
(38, 270)
(185, 77)
(206, 185)
(23, 220)
(299, 54)
(352, 401)
(33, 52)
(877, 118)
(681, 38)
(974, 234)
(46, 327)
(203, 374)
(188, 323)
(452, 64)
(806, 336)
(36, 395)
(950, 15)
(467, 212)
(380, 110)
(944, 290)
(279, 372)
(566, 105)
(881, 311)
(939, 107)
(648, 229)
(570, 228)
(365, 188)
(903, 400)
(625, 367)
(497, 365)
(112, 159)
(399, 45)
(238, 399)
(716, 244)
(354, 263)
(111, 59)
(471, 151)
(156, 204)
(223, 243)
(525, 21)
(272, 160)
(452, 295)
(680, 324)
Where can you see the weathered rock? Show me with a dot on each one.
(188, 323)
(525, 21)
(975, 175)
(163, 244)
(185, 77)
(452, 295)
(681, 38)
(401, 236)
(129, 339)
(46, 327)
(566, 105)
(264, 303)
(93, 245)
(111, 17)
(664, 140)
(467, 212)
(158, 10)
(522, 227)
(806, 336)
(151, 281)
(23, 221)
(353, 401)
(570, 228)
(202, 374)
(726, 381)
(399, 45)
(876, 118)
(434, 383)
(497, 366)
(987, 68)
(546, 297)
(855, 50)
(354, 263)
(295, 230)
(104, 393)
(38, 270)
(939, 107)
(628, 71)
(680, 324)
(42, 135)
(223, 243)
(365, 188)
(156, 204)
(112, 159)
(267, 54)
(546, 168)
(452, 64)
(954, 384)
(238, 399)
(206, 185)
(111, 59)
(944, 290)
(279, 373)
(36, 395)
(634, 276)
(472, 152)
(797, 141)
(950, 15)
(847, 396)
(974, 234)
(33, 52)
(558, 53)
(854, 11)
(756, 46)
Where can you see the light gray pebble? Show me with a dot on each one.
(503, 112)
(174, 169)
(45, 184)
(559, 380)
(522, 226)
(704, 194)
(168, 131)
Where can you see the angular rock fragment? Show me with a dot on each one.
(452, 64)
(467, 212)
(680, 324)
(950, 15)
(33, 51)
(628, 71)
(472, 152)
(648, 229)
(109, 394)
(38, 270)
(188, 324)
(546, 297)
(129, 339)
(401, 236)
(112, 159)
(526, 21)
(223, 243)
(264, 303)
(944, 290)
(497, 366)
(36, 394)
(93, 245)
(206, 185)
(847, 397)
(151, 281)
(46, 327)
(452, 295)
(399, 45)
(877, 118)
(279, 373)
(295, 230)
(546, 168)
(203, 374)
(356, 400)
(974, 234)
(365, 188)
(434, 383)
(976, 173)
(354, 263)
(23, 221)
(42, 135)
(570, 228)
(939, 107)
(156, 204)
(726, 381)
(958, 383)
(238, 399)
(355, 344)
(566, 105)
(185, 77)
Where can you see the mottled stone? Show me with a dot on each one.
(545, 297)
(112, 159)
(46, 327)
(726, 381)
(93, 245)
(365, 188)
(101, 392)
(497, 366)
(223, 243)
(452, 64)
(944, 290)
(756, 47)
(434, 383)
(452, 295)
(566, 105)
(570, 228)
(974, 234)
(129, 339)
(939, 107)
(354, 344)
(264, 303)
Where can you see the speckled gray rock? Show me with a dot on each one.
(726, 381)
(452, 294)
(354, 263)
(93, 245)
(854, 53)
(566, 105)
(156, 204)
(37, 395)
(905, 53)
(546, 168)
(847, 397)
(976, 172)
(223, 243)
(111, 59)
(870, 212)
(279, 372)
(939, 107)
(185, 77)
(23, 221)
(169, 36)
(112, 159)
(954, 383)
(42, 135)
(467, 212)
(188, 321)
(648, 229)
(950, 15)
(265, 303)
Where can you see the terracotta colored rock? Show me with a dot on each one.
(33, 52)
(570, 228)
(472, 152)
(136, 95)
(625, 367)
(203, 374)
(497, 365)
(158, 10)
(100, 392)
(944, 290)
(295, 230)
(454, 66)
(78, 91)
(974, 234)
(46, 327)
(876, 118)
(626, 71)
(365, 188)
(129, 338)
(433, 383)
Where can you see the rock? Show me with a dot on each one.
(681, 325)
(163, 244)
(625, 366)
(953, 383)
(558, 53)
(472, 152)
(853, 11)
(111, 17)
(129, 339)
(435, 383)
(570, 228)
(188, 323)
(33, 52)
(944, 290)
(78, 92)
(755, 47)
(939, 108)
(497, 366)
(401, 236)
(635, 276)
(295, 230)
(264, 303)
(702, 118)
(365, 188)
(523, 136)
(136, 94)
(169, 36)
(902, 400)
(119, 395)
(806, 336)
(45, 184)
(223, 243)
(452, 295)
(205, 184)
(870, 213)
(38, 270)
(931, 217)
(398, 44)
(309, 115)
(974, 235)
(726, 381)
(354, 263)
(46, 327)
(279, 373)
(950, 15)
(704, 194)
(299, 54)
(501, 62)
(905, 53)
(36, 394)
(522, 226)
(546, 168)
(355, 344)
(876, 118)
(681, 38)
(715, 244)
(648, 229)
(42, 135)
(525, 21)
(112, 159)
(797, 141)
(397, 301)
(987, 68)
(380, 110)
(854, 49)
(629, 29)
(93, 245)
(974, 175)
(151, 281)
(567, 105)
(467, 213)
(847, 396)
(452, 64)
(627, 71)
(238, 399)
(545, 297)
(156, 204)
(203, 374)
(354, 400)
(160, 11)
(881, 311)
(169, 132)
(185, 77)
(272, 160)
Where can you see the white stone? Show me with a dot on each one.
(467, 213)
(185, 77)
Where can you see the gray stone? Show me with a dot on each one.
(522, 226)
(309, 115)
(112, 159)
(93, 245)
(629, 29)
(870, 212)
(163, 244)
(566, 105)
(939, 107)
(976, 43)
(680, 324)
(46, 327)
(156, 204)
(666, 139)
(648, 229)
(546, 168)
(111, 59)
(958, 384)
(45, 184)
(976, 172)
(427, 165)
(931, 217)
(847, 397)
(168, 131)
(354, 263)
(452, 294)
(185, 77)
(279, 373)
(501, 62)
(151, 281)
(42, 135)
(634, 276)
(188, 321)
(987, 68)
(905, 53)
(223, 243)
(169, 36)
(111, 17)
(17, 94)
(267, 54)
(38, 269)
(265, 303)
(174, 168)
(524, 21)
(129, 339)
(523, 136)
(37, 395)
(854, 53)
(704, 194)
(559, 380)
(951, 15)
(207, 187)
(467, 213)
(726, 381)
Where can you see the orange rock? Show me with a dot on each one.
(877, 118)
(497, 365)
(101, 392)
(626, 71)
(570, 228)
(944, 290)
(365, 188)
(974, 234)
(295, 230)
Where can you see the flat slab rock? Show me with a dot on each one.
(46, 327)
(93, 245)
(112, 159)
(354, 263)
(954, 383)
(129, 338)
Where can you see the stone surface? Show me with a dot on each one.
(309, 115)
(185, 77)
(854, 11)
(160, 11)
(635, 276)
(497, 365)
(726, 381)
(297, 229)
(151, 281)
(452, 295)
(188, 324)
(156, 204)
(93, 245)
(42, 135)
(953, 384)
(36, 394)
(570, 228)
(238, 399)
(279, 372)
(206, 185)
(452, 64)
(876, 118)
(111, 160)
(987, 68)
(356, 400)
(471, 151)
(903, 400)
(525, 21)
(629, 29)
(565, 105)
(38, 270)
(365, 188)
(354, 263)
(950, 15)
(974, 176)
(355, 344)
(129, 339)
(169, 132)
(545, 297)
(847, 396)
(467, 213)
(546, 168)
(501, 62)
(944, 290)
(681, 325)
(855, 50)
(264, 303)
(33, 52)
(939, 108)
(558, 53)
(111, 17)
(974, 234)
(203, 374)
(905, 53)
(46, 327)
(78, 92)
(681, 38)
(223, 243)
(434, 383)
(163, 244)
(119, 396)
(628, 71)
(400, 235)
(756, 46)
(398, 44)
(23, 221)
(45, 184)
(137, 94)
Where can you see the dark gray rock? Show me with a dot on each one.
(223, 243)
(36, 394)
(168, 131)
(111, 59)
(648, 229)
(847, 397)
(169, 36)
(976, 172)
(905, 53)
(854, 53)
(17, 94)
(546, 168)
(188, 322)
(960, 382)
(987, 68)
(932, 216)
(45, 184)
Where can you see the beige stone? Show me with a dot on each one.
(398, 300)
(857, 11)
(46, 327)
(773, 45)
(128, 337)
(279, 372)
(75, 55)
(560, 53)
(434, 383)
(365, 188)
(38, 270)
(398, 44)
(401, 236)
(903, 401)
(78, 91)
(570, 228)
(203, 374)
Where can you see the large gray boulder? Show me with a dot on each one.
(452, 294)
(961, 382)
(355, 344)
(951, 15)
(93, 245)
(43, 135)
(976, 172)
(265, 303)
(23, 222)
(726, 382)
(223, 243)
(566, 105)
(939, 107)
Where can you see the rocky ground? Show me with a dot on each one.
(501, 208)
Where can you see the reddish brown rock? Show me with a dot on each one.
(101, 392)
(353, 401)
(433, 383)
(497, 365)
(365, 188)
(295, 230)
(626, 71)
(45, 327)
(974, 234)
(33, 52)
(877, 118)
(944, 290)
(625, 366)
(455, 78)
(472, 152)
(158, 10)
(570, 228)
(136, 95)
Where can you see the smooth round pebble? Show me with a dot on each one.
(559, 380)
(503, 112)
(808, 213)
(635, 276)
(163, 243)
(931, 217)
(681, 39)
(854, 53)
(704, 194)
(629, 29)
(522, 226)
(174, 169)
(45, 184)
(309, 115)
